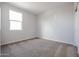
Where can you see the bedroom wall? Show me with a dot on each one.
(76, 23)
(28, 24)
(0, 25)
(57, 24)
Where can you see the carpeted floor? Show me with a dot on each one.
(38, 48)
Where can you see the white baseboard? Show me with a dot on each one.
(58, 41)
(19, 40)
(41, 38)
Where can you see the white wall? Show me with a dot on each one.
(77, 27)
(29, 25)
(0, 25)
(57, 24)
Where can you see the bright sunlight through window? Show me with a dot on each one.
(15, 20)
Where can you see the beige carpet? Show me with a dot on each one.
(39, 48)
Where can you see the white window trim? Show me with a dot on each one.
(20, 21)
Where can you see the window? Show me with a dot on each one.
(15, 20)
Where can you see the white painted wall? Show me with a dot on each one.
(0, 25)
(29, 25)
(57, 24)
(77, 27)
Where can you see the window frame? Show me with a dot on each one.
(20, 21)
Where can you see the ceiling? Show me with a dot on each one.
(39, 7)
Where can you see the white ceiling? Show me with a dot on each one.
(39, 7)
